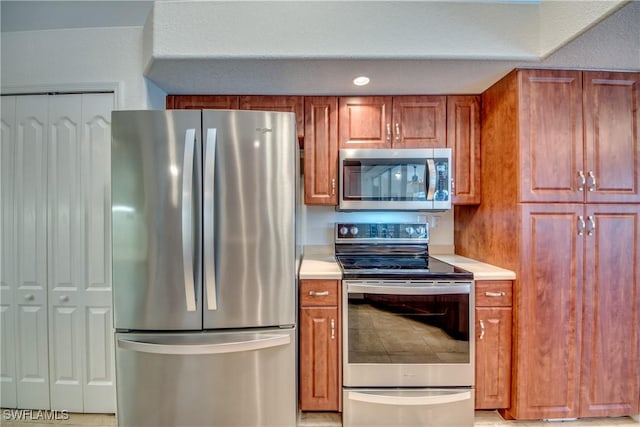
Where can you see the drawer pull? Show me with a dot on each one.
(318, 293)
(495, 294)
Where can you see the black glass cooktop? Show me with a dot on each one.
(399, 267)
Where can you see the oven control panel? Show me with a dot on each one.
(418, 232)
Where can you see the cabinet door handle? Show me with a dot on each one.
(582, 181)
(333, 329)
(481, 329)
(592, 226)
(581, 225)
(397, 132)
(29, 297)
(318, 293)
(592, 181)
(333, 186)
(494, 294)
(388, 132)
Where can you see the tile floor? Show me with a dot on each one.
(311, 419)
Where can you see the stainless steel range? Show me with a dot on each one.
(408, 346)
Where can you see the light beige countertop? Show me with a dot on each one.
(319, 263)
(480, 270)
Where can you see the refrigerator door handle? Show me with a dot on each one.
(187, 218)
(261, 343)
(426, 400)
(209, 219)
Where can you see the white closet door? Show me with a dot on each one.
(30, 249)
(65, 253)
(95, 166)
(80, 320)
(8, 388)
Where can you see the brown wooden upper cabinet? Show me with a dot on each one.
(580, 136)
(292, 104)
(202, 102)
(463, 137)
(321, 150)
(393, 122)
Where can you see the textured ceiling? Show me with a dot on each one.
(312, 47)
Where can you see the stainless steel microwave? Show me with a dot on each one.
(416, 179)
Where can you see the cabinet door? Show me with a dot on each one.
(551, 145)
(611, 337)
(291, 104)
(612, 136)
(365, 122)
(548, 304)
(463, 137)
(493, 357)
(202, 102)
(419, 122)
(321, 151)
(319, 358)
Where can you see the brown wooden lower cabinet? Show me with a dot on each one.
(320, 374)
(493, 343)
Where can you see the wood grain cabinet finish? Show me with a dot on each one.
(463, 137)
(493, 343)
(577, 305)
(393, 122)
(562, 163)
(321, 150)
(291, 104)
(202, 102)
(320, 374)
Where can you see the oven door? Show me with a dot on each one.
(416, 333)
(390, 179)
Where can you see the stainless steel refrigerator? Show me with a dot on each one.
(204, 267)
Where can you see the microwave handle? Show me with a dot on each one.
(430, 177)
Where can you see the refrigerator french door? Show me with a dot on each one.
(204, 267)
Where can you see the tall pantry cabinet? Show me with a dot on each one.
(561, 207)
(55, 253)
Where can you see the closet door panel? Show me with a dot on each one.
(65, 254)
(30, 252)
(97, 315)
(8, 386)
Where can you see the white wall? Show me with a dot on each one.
(79, 59)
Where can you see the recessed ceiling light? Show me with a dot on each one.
(361, 81)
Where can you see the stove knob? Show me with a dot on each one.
(343, 230)
(410, 231)
(354, 230)
(421, 231)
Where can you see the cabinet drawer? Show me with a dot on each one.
(494, 293)
(316, 293)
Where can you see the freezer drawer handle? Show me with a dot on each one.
(209, 219)
(192, 349)
(409, 401)
(187, 218)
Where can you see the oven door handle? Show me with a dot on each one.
(414, 289)
(426, 400)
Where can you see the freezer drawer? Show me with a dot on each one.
(408, 407)
(245, 378)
